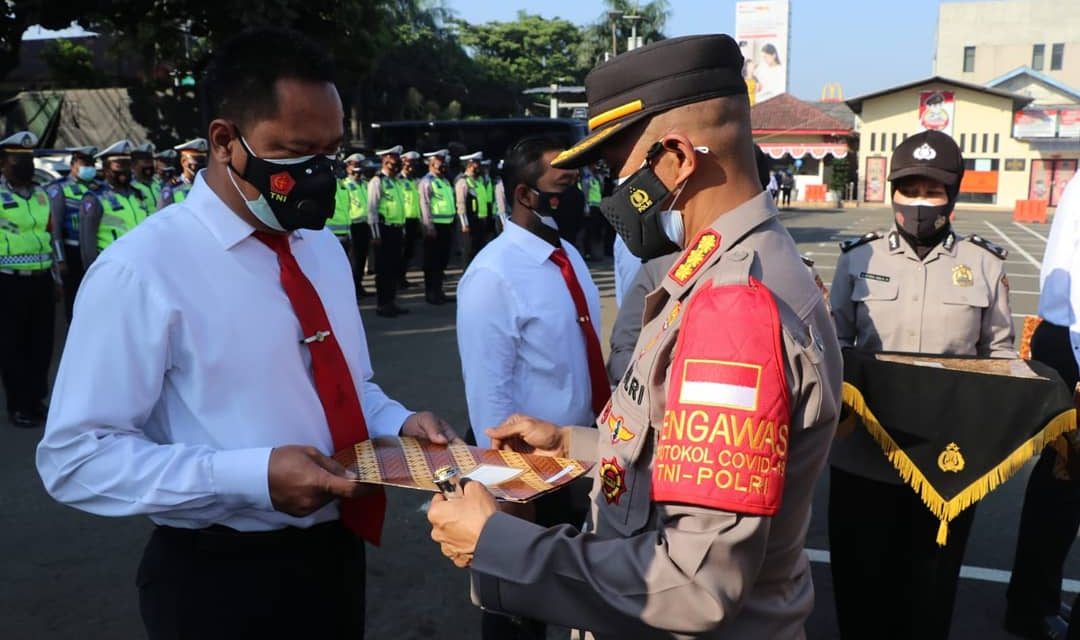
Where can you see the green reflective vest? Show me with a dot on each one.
(391, 201)
(357, 199)
(25, 241)
(155, 185)
(120, 213)
(149, 200)
(342, 218)
(485, 195)
(410, 195)
(595, 195)
(443, 207)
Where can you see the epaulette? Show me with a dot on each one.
(848, 245)
(979, 241)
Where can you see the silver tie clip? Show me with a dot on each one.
(318, 337)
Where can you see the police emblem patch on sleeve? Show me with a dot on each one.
(724, 439)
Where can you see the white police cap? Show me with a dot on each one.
(195, 145)
(477, 156)
(122, 148)
(146, 147)
(410, 155)
(394, 150)
(165, 154)
(444, 153)
(23, 140)
(356, 157)
(89, 151)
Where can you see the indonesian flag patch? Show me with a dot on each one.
(724, 440)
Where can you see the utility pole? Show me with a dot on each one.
(613, 16)
(633, 19)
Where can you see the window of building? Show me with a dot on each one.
(974, 141)
(1057, 54)
(1038, 52)
(873, 139)
(893, 142)
(986, 142)
(963, 139)
(969, 59)
(979, 164)
(996, 136)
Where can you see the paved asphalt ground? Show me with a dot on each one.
(71, 575)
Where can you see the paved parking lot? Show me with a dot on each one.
(71, 575)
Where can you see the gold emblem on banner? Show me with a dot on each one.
(951, 459)
(962, 276)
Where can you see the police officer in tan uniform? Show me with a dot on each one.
(707, 455)
(917, 288)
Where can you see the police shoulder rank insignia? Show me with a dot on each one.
(724, 439)
(612, 479)
(999, 252)
(848, 245)
(962, 276)
(708, 241)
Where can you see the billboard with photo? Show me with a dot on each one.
(1035, 123)
(763, 32)
(937, 111)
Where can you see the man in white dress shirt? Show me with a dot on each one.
(193, 388)
(525, 347)
(1051, 513)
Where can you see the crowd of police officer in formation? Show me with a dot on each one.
(385, 209)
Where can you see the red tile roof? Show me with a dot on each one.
(786, 113)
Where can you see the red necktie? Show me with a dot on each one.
(597, 374)
(333, 382)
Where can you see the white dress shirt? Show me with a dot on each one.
(522, 349)
(1059, 302)
(183, 368)
(627, 266)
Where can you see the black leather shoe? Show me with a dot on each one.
(1046, 628)
(387, 311)
(23, 420)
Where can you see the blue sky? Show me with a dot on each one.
(865, 45)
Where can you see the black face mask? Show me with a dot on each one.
(22, 169)
(146, 173)
(634, 207)
(295, 193)
(923, 225)
(563, 206)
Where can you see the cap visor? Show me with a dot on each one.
(944, 177)
(588, 148)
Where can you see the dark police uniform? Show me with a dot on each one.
(691, 533)
(386, 215)
(890, 578)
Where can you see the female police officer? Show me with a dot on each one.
(921, 289)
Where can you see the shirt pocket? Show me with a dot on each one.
(963, 310)
(869, 291)
(624, 477)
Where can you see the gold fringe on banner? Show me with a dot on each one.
(947, 510)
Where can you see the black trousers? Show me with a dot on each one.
(786, 199)
(891, 580)
(437, 256)
(1051, 513)
(479, 232)
(361, 242)
(218, 583)
(73, 275)
(594, 229)
(388, 263)
(414, 234)
(27, 322)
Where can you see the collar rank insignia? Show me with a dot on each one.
(612, 480)
(950, 240)
(692, 261)
(894, 241)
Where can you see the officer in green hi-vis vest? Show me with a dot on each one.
(386, 216)
(339, 223)
(413, 228)
(164, 171)
(356, 186)
(142, 174)
(439, 213)
(65, 204)
(192, 159)
(113, 211)
(28, 253)
(474, 202)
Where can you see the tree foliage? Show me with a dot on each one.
(596, 38)
(527, 52)
(70, 64)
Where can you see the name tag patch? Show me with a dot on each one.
(874, 276)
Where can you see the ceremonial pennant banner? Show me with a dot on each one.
(956, 428)
(411, 463)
